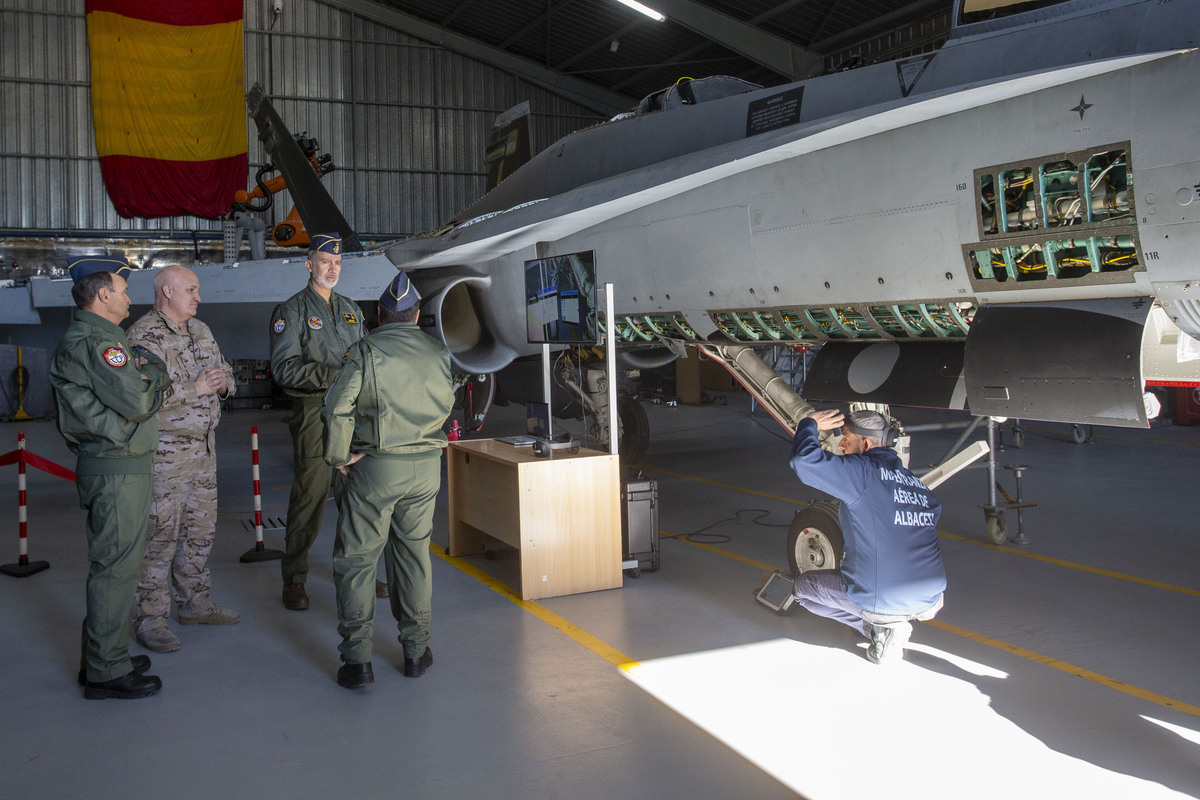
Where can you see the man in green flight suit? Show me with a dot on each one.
(384, 415)
(310, 334)
(106, 394)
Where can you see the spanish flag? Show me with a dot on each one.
(168, 104)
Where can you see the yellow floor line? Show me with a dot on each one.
(1072, 565)
(600, 648)
(1071, 669)
(1054, 663)
(1049, 560)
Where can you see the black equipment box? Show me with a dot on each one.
(639, 525)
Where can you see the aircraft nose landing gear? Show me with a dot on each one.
(815, 539)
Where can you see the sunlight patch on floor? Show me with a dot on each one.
(832, 726)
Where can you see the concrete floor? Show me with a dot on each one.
(1062, 668)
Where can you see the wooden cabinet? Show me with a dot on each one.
(561, 512)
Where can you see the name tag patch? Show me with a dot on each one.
(115, 357)
(350, 318)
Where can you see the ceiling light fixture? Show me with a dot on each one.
(649, 12)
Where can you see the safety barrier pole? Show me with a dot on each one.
(24, 567)
(260, 552)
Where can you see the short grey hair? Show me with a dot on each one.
(867, 422)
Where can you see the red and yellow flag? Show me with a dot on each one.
(168, 104)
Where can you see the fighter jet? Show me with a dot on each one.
(1008, 224)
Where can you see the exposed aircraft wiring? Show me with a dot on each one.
(574, 383)
(1072, 214)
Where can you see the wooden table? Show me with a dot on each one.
(562, 513)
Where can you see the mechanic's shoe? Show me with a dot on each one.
(140, 665)
(355, 676)
(214, 615)
(294, 597)
(415, 667)
(888, 641)
(158, 640)
(381, 589)
(130, 686)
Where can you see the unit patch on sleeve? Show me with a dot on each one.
(314, 322)
(278, 325)
(115, 357)
(350, 318)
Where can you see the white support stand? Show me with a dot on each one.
(610, 365)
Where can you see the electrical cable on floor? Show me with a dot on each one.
(773, 429)
(721, 538)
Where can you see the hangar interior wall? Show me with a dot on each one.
(404, 120)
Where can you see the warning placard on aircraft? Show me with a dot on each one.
(911, 70)
(776, 111)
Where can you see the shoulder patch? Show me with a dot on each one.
(116, 357)
(278, 325)
(315, 323)
(350, 318)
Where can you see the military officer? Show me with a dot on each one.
(184, 516)
(384, 415)
(106, 396)
(310, 334)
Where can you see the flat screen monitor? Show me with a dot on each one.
(560, 299)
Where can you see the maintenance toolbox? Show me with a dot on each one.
(639, 525)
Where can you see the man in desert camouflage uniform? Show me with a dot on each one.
(184, 514)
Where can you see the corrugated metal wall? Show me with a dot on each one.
(404, 120)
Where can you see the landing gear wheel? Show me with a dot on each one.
(997, 530)
(474, 399)
(635, 429)
(1078, 434)
(815, 539)
(1018, 439)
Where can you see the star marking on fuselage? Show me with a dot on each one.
(1082, 107)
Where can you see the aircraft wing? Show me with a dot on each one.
(497, 234)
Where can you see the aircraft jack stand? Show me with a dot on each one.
(1019, 504)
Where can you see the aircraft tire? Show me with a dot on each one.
(815, 539)
(635, 429)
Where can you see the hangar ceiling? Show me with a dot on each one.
(607, 56)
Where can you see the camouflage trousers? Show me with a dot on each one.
(183, 519)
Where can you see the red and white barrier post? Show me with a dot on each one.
(24, 567)
(259, 553)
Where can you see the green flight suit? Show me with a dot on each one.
(106, 411)
(309, 339)
(389, 402)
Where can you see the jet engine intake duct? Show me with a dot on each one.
(1059, 362)
(455, 305)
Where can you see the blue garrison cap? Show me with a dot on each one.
(325, 243)
(86, 266)
(400, 294)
